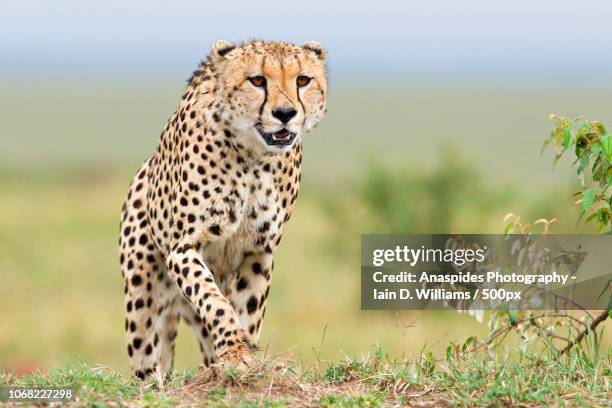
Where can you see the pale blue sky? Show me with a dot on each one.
(545, 40)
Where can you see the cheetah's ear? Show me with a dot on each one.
(317, 48)
(221, 48)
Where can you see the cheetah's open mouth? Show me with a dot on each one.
(282, 137)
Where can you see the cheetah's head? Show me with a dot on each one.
(274, 91)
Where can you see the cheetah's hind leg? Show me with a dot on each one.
(151, 298)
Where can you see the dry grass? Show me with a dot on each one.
(271, 381)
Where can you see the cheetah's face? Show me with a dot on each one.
(275, 92)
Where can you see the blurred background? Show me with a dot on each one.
(437, 113)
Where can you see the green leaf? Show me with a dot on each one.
(467, 342)
(513, 316)
(603, 215)
(546, 143)
(584, 161)
(596, 149)
(610, 306)
(588, 197)
(606, 145)
(567, 137)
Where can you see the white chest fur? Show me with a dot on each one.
(258, 223)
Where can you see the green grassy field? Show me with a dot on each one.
(372, 380)
(418, 160)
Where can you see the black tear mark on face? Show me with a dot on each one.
(222, 51)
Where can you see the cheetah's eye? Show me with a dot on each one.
(258, 81)
(303, 80)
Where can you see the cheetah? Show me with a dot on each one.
(205, 213)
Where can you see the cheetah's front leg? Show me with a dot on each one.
(196, 282)
(250, 292)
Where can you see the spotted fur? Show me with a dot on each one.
(205, 213)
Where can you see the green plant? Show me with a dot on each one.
(591, 145)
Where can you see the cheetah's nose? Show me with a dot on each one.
(284, 114)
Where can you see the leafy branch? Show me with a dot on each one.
(591, 144)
